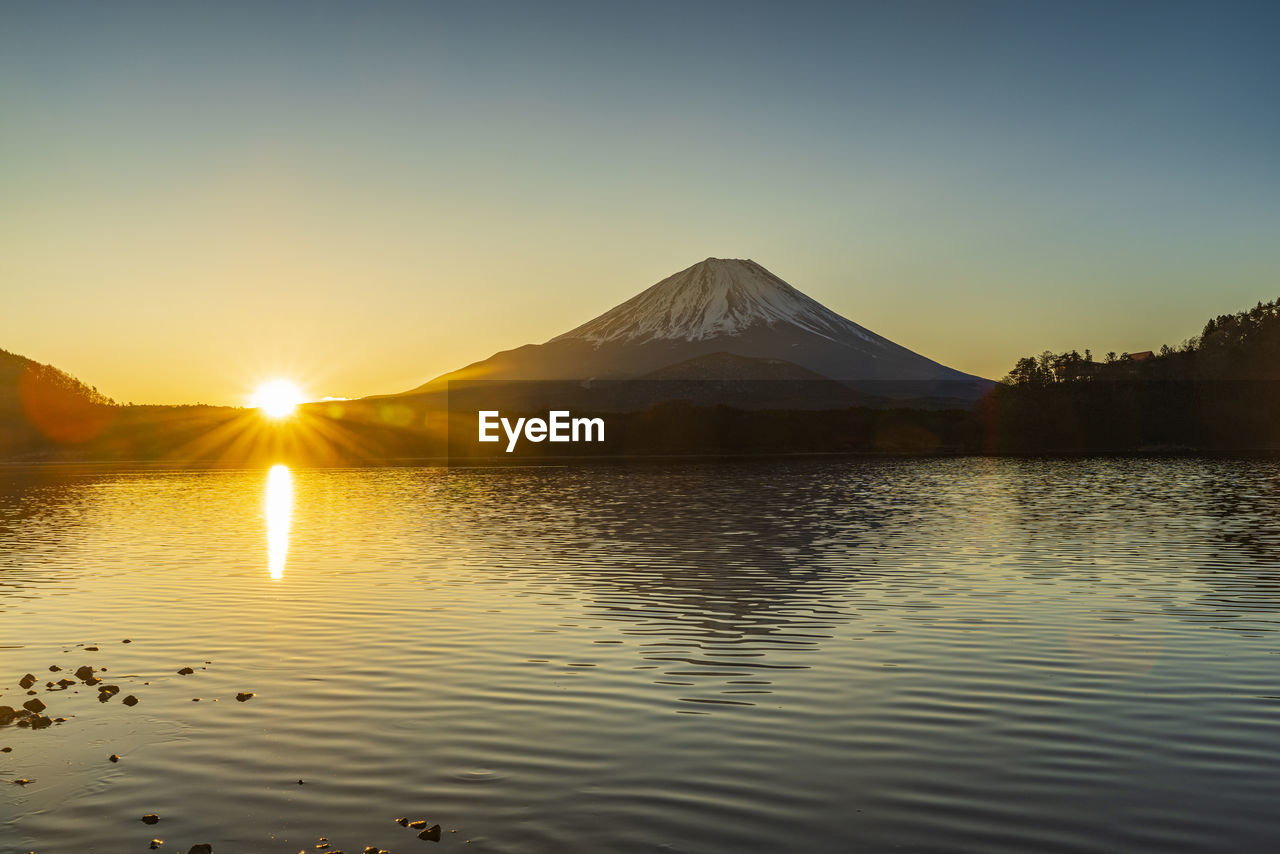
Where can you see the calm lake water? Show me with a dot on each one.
(925, 655)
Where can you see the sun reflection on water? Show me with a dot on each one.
(279, 510)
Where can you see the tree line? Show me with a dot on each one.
(1218, 391)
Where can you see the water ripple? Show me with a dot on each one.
(933, 655)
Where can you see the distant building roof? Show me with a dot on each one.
(1143, 356)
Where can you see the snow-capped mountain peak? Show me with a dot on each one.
(726, 316)
(713, 298)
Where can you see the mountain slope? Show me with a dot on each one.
(40, 404)
(718, 367)
(714, 298)
(721, 306)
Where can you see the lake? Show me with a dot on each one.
(798, 656)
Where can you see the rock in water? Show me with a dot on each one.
(432, 833)
(85, 672)
(150, 818)
(130, 700)
(156, 843)
(186, 671)
(201, 848)
(115, 757)
(35, 706)
(27, 681)
(244, 696)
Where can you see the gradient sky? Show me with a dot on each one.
(364, 195)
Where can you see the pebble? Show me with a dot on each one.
(90, 649)
(32, 717)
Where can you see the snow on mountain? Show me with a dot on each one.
(724, 308)
(713, 298)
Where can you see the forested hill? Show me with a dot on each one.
(1219, 391)
(1241, 346)
(40, 404)
(18, 372)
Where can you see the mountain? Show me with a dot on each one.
(40, 404)
(724, 306)
(22, 377)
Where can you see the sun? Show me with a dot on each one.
(277, 398)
